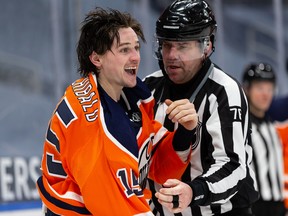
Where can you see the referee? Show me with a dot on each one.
(259, 83)
(218, 179)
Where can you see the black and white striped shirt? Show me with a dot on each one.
(219, 171)
(268, 159)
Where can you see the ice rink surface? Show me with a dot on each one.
(26, 212)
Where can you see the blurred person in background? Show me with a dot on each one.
(278, 111)
(218, 180)
(259, 83)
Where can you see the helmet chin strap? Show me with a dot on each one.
(210, 54)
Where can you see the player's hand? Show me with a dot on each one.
(183, 112)
(172, 188)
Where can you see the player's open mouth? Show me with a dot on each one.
(131, 70)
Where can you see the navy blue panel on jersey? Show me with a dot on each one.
(115, 116)
(52, 138)
(55, 167)
(65, 113)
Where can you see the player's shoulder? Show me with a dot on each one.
(155, 74)
(154, 79)
(81, 99)
(223, 78)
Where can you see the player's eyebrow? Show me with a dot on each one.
(127, 43)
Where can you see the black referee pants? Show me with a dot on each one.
(268, 208)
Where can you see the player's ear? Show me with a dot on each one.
(95, 59)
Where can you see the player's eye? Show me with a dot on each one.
(137, 48)
(125, 50)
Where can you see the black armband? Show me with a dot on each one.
(183, 138)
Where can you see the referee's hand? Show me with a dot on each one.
(167, 196)
(183, 112)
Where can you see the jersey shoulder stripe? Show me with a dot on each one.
(52, 138)
(65, 112)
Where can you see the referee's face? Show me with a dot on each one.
(260, 94)
(182, 59)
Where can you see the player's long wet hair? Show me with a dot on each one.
(100, 28)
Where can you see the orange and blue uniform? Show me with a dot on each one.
(97, 154)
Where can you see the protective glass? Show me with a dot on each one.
(180, 50)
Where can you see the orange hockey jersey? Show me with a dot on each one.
(282, 129)
(95, 162)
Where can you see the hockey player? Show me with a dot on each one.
(100, 139)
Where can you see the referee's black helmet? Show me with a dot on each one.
(259, 72)
(186, 20)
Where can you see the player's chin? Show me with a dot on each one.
(131, 84)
